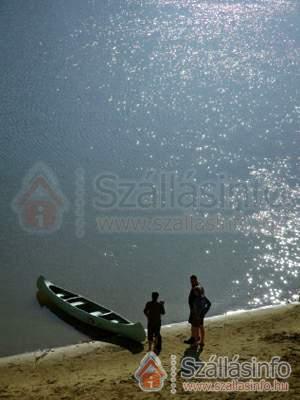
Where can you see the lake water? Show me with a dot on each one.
(108, 99)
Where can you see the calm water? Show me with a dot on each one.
(134, 88)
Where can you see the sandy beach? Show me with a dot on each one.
(105, 371)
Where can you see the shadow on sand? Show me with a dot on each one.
(92, 332)
(191, 352)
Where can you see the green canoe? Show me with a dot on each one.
(88, 312)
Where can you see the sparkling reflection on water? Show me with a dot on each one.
(227, 70)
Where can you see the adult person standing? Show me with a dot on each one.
(200, 307)
(153, 311)
(192, 296)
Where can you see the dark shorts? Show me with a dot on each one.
(153, 331)
(196, 321)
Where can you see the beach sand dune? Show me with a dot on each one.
(95, 371)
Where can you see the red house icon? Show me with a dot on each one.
(150, 373)
(40, 203)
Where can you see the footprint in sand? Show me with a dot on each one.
(51, 381)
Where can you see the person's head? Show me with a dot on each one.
(194, 281)
(155, 296)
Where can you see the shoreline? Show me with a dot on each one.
(94, 370)
(81, 348)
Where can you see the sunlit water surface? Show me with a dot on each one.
(131, 87)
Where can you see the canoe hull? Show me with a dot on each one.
(133, 331)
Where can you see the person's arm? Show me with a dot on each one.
(208, 304)
(162, 308)
(146, 310)
(191, 299)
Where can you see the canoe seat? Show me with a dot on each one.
(98, 313)
(77, 303)
(70, 299)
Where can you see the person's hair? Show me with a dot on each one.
(193, 277)
(155, 296)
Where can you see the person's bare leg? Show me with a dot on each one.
(188, 341)
(195, 330)
(202, 334)
(199, 334)
(150, 342)
(157, 344)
